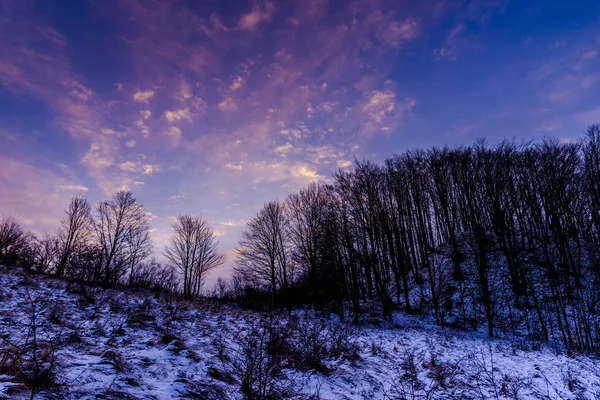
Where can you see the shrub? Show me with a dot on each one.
(32, 356)
(256, 367)
(316, 342)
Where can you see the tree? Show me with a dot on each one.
(13, 241)
(46, 251)
(74, 232)
(307, 210)
(123, 234)
(194, 251)
(262, 252)
(313, 236)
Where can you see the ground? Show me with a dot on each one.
(95, 343)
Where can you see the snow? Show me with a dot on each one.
(117, 348)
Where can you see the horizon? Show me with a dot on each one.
(209, 110)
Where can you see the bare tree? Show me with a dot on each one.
(139, 248)
(74, 232)
(308, 211)
(13, 241)
(155, 276)
(123, 234)
(262, 254)
(46, 251)
(194, 251)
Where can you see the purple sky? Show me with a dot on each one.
(214, 107)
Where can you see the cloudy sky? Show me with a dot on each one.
(214, 107)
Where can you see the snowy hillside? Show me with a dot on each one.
(64, 340)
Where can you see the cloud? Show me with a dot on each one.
(105, 167)
(143, 96)
(227, 104)
(395, 33)
(307, 173)
(185, 91)
(379, 104)
(344, 163)
(53, 35)
(235, 167)
(37, 196)
(453, 44)
(35, 61)
(175, 133)
(80, 91)
(270, 97)
(257, 16)
(72, 188)
(237, 83)
(284, 149)
(137, 167)
(143, 128)
(98, 157)
(129, 166)
(109, 132)
(233, 224)
(293, 174)
(178, 115)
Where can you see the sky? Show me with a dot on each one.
(214, 107)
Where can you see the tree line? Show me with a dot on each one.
(505, 237)
(110, 244)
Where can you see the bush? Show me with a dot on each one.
(256, 367)
(316, 342)
(32, 356)
(141, 313)
(414, 365)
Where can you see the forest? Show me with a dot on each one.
(502, 237)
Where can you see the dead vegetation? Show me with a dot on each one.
(66, 340)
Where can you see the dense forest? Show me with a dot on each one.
(505, 237)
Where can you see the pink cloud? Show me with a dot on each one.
(143, 96)
(37, 196)
(259, 14)
(254, 115)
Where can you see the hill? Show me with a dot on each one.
(70, 341)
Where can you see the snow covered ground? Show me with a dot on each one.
(138, 345)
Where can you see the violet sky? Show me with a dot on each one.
(214, 107)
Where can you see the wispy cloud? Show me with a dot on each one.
(260, 13)
(227, 107)
(73, 188)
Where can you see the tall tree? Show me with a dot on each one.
(74, 233)
(194, 251)
(307, 210)
(262, 252)
(123, 233)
